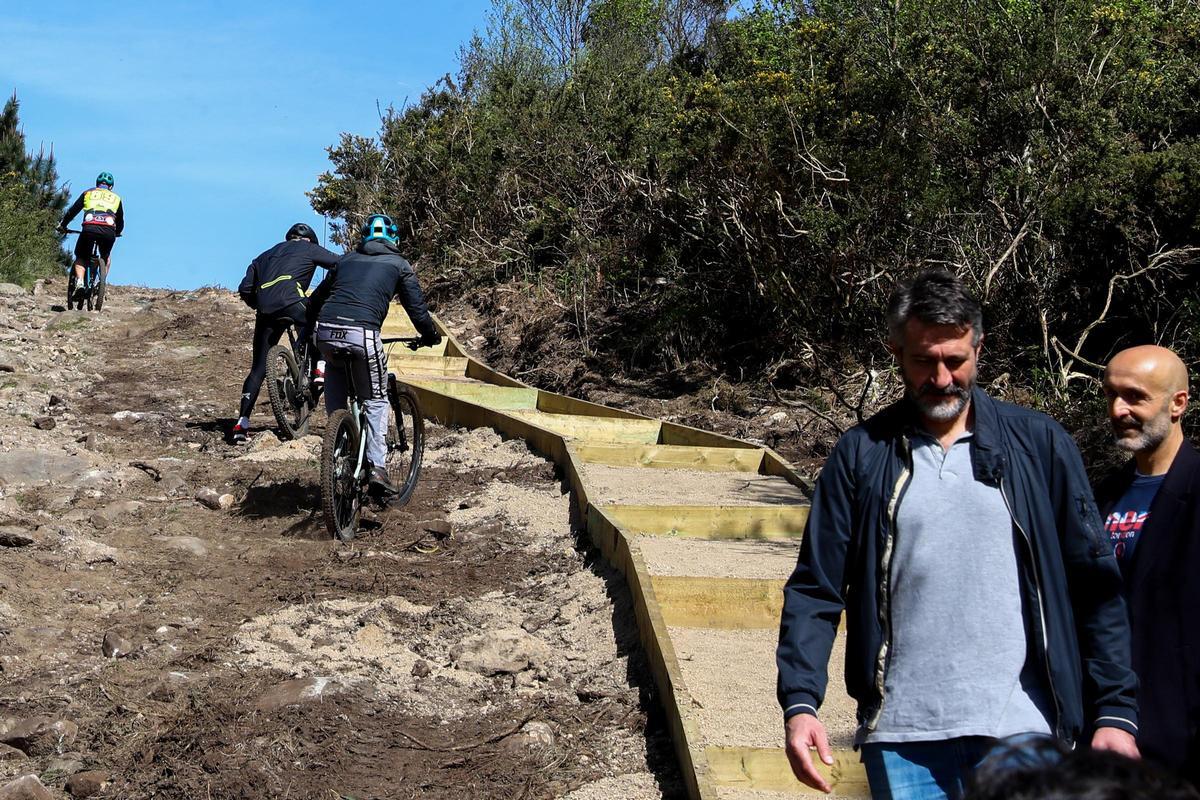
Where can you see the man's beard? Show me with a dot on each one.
(942, 405)
(1149, 434)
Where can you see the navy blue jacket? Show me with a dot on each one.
(1076, 624)
(1162, 589)
(280, 276)
(360, 289)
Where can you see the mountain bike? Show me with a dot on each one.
(94, 281)
(290, 386)
(345, 471)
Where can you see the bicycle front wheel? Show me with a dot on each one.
(405, 440)
(290, 402)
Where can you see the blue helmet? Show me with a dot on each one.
(105, 179)
(380, 226)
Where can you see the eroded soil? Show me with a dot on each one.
(466, 645)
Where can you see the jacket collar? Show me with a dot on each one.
(378, 247)
(987, 455)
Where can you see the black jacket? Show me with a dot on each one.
(1068, 574)
(1162, 590)
(280, 276)
(360, 289)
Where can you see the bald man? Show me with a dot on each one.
(1151, 509)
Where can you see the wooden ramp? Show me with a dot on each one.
(704, 527)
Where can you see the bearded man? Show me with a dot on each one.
(1152, 514)
(959, 536)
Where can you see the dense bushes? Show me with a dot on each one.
(746, 187)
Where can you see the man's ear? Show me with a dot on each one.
(1178, 406)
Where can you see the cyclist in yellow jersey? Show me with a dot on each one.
(103, 222)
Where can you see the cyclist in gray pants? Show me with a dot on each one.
(350, 306)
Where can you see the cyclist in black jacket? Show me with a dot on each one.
(275, 286)
(350, 306)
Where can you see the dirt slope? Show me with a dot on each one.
(151, 646)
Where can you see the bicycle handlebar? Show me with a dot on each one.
(411, 342)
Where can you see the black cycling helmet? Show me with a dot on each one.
(301, 231)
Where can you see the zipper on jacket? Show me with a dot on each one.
(1037, 588)
(885, 566)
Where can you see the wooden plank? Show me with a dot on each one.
(724, 603)
(553, 403)
(661, 456)
(660, 654)
(493, 397)
(428, 365)
(712, 522)
(687, 436)
(767, 769)
(595, 429)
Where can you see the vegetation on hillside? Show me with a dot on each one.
(31, 203)
(743, 186)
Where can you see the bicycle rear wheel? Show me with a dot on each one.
(341, 498)
(98, 285)
(72, 287)
(89, 284)
(290, 400)
(405, 440)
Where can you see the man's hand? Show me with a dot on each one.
(804, 731)
(1116, 740)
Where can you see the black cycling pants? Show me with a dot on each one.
(103, 238)
(268, 329)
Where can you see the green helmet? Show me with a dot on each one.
(380, 226)
(105, 179)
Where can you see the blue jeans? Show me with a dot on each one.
(923, 770)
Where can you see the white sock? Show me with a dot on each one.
(244, 422)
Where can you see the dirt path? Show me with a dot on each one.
(466, 645)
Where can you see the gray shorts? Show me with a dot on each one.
(359, 351)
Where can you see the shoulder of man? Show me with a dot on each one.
(1021, 418)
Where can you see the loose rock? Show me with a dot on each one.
(86, 784)
(44, 423)
(116, 645)
(508, 650)
(27, 787)
(217, 502)
(295, 692)
(15, 537)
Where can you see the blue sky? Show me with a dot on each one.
(214, 117)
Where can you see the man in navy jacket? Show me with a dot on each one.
(1151, 510)
(960, 538)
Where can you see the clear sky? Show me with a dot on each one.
(214, 116)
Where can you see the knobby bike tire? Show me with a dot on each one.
(341, 496)
(99, 285)
(405, 441)
(89, 286)
(72, 286)
(290, 405)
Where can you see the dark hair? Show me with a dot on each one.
(935, 297)
(1047, 770)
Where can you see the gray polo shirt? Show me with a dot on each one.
(957, 661)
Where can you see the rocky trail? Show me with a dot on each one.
(175, 623)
